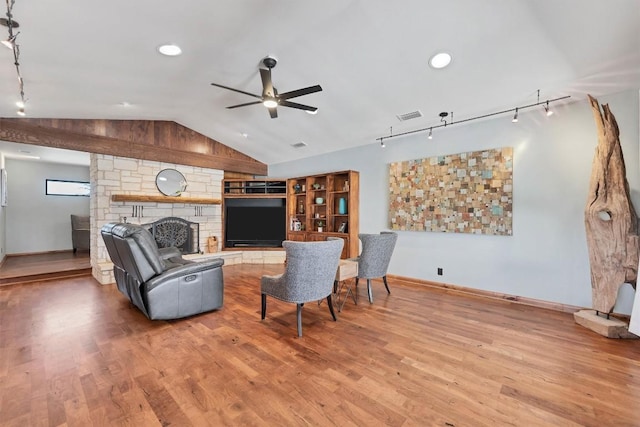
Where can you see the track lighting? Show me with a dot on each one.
(12, 43)
(382, 144)
(444, 116)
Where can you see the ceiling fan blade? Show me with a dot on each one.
(267, 84)
(300, 92)
(296, 105)
(245, 104)
(236, 90)
(273, 112)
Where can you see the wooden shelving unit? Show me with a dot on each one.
(325, 205)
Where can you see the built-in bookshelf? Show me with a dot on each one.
(325, 205)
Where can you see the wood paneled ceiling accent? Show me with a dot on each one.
(161, 141)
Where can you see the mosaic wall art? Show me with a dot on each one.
(457, 193)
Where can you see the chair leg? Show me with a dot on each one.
(299, 316)
(264, 305)
(356, 292)
(386, 285)
(369, 291)
(333, 314)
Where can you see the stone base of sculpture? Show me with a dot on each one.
(610, 328)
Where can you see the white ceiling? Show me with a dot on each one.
(84, 59)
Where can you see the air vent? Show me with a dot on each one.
(409, 116)
(300, 144)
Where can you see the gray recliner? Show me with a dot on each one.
(161, 283)
(309, 275)
(374, 259)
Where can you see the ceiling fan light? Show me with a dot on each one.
(270, 103)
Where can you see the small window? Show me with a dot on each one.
(55, 187)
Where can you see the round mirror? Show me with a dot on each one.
(170, 182)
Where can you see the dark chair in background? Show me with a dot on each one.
(309, 275)
(374, 259)
(80, 232)
(161, 283)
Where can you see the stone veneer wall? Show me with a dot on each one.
(119, 175)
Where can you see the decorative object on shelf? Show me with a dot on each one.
(319, 200)
(301, 207)
(320, 225)
(297, 188)
(316, 186)
(346, 186)
(171, 182)
(342, 206)
(342, 228)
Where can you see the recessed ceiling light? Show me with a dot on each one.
(440, 60)
(245, 135)
(125, 104)
(170, 50)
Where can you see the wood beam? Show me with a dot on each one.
(17, 130)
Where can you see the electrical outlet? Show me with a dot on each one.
(439, 271)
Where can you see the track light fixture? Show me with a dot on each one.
(444, 115)
(11, 41)
(547, 110)
(12, 44)
(382, 144)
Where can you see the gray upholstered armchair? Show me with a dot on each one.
(374, 259)
(80, 232)
(161, 283)
(309, 274)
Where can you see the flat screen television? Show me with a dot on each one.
(255, 226)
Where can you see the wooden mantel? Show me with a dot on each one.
(164, 199)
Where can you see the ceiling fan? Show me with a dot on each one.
(270, 97)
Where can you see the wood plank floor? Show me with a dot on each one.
(29, 268)
(74, 353)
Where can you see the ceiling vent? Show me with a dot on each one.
(409, 116)
(299, 145)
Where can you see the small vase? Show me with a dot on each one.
(342, 206)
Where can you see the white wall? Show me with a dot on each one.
(3, 226)
(36, 222)
(547, 257)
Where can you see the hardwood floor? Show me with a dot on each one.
(75, 353)
(29, 268)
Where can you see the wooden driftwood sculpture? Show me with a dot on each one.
(610, 219)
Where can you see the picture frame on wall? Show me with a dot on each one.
(3, 187)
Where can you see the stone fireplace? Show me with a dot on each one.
(112, 175)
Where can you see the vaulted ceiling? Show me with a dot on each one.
(82, 59)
